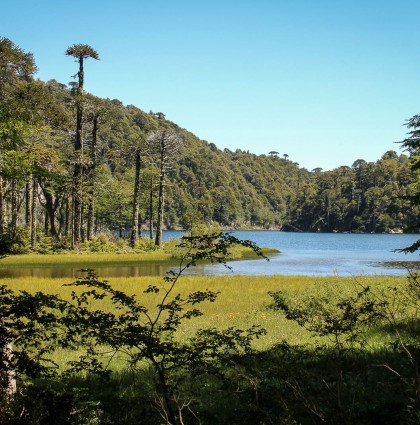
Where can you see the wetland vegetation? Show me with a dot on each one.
(213, 350)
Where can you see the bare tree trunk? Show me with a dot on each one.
(68, 219)
(92, 174)
(159, 224)
(136, 204)
(78, 167)
(28, 201)
(46, 222)
(151, 214)
(14, 216)
(50, 206)
(91, 219)
(139, 220)
(6, 367)
(2, 207)
(82, 223)
(33, 213)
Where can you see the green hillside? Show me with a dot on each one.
(74, 165)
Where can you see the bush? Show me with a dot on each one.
(100, 243)
(145, 245)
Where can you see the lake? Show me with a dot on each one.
(323, 254)
(309, 254)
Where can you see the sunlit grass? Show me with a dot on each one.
(84, 259)
(242, 301)
(92, 260)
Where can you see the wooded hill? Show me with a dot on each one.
(41, 166)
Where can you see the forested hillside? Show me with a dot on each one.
(70, 160)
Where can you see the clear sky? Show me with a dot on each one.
(324, 81)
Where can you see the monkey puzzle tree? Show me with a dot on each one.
(80, 52)
(148, 181)
(136, 148)
(161, 146)
(95, 112)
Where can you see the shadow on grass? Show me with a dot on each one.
(285, 385)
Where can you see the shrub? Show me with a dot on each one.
(100, 243)
(145, 245)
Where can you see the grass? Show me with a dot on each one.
(242, 301)
(276, 373)
(84, 259)
(92, 260)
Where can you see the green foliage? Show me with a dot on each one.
(347, 321)
(147, 245)
(100, 243)
(343, 320)
(412, 145)
(19, 243)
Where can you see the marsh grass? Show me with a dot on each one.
(242, 300)
(293, 372)
(112, 259)
(84, 260)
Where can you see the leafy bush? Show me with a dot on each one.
(146, 245)
(20, 244)
(100, 243)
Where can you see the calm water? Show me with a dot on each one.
(324, 254)
(310, 254)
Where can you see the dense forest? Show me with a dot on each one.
(74, 165)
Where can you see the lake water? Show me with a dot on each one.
(323, 254)
(310, 254)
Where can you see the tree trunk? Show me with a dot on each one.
(78, 168)
(92, 174)
(91, 218)
(14, 216)
(159, 224)
(28, 201)
(151, 213)
(33, 213)
(2, 207)
(68, 219)
(136, 204)
(6, 368)
(50, 208)
(82, 224)
(46, 222)
(139, 220)
(77, 190)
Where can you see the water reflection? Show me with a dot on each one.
(105, 272)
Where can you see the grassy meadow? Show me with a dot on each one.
(242, 300)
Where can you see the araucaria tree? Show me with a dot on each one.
(80, 52)
(161, 147)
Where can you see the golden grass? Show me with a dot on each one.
(84, 259)
(241, 303)
(92, 260)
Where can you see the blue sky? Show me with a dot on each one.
(326, 82)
